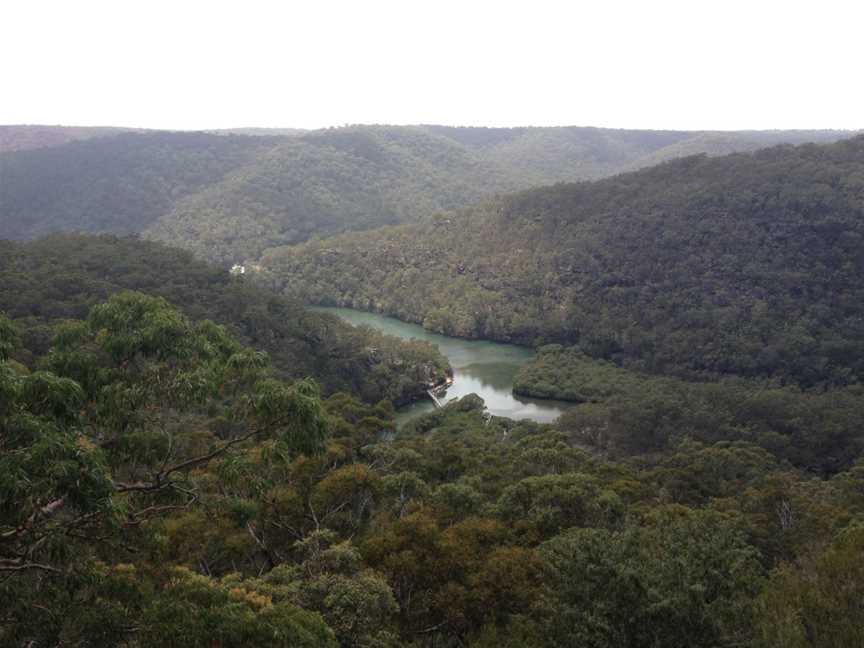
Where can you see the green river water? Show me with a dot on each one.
(479, 366)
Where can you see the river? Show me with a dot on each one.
(479, 366)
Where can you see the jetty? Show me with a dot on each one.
(435, 399)
(434, 390)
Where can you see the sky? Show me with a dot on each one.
(184, 64)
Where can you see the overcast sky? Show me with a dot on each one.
(699, 64)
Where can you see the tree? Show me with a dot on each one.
(684, 580)
(817, 602)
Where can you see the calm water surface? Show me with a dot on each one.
(479, 367)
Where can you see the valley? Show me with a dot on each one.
(479, 367)
(229, 196)
(745, 265)
(652, 436)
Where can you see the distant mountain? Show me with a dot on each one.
(120, 184)
(748, 264)
(229, 197)
(26, 137)
(569, 153)
(263, 132)
(328, 182)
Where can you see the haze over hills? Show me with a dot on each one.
(447, 357)
(749, 264)
(119, 184)
(229, 197)
(188, 456)
(569, 153)
(26, 137)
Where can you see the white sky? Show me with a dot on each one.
(712, 64)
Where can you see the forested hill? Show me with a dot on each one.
(570, 153)
(229, 196)
(25, 137)
(164, 482)
(120, 184)
(748, 264)
(328, 182)
(158, 486)
(61, 277)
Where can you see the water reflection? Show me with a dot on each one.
(479, 367)
(491, 375)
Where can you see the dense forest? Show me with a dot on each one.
(565, 154)
(625, 413)
(230, 195)
(192, 457)
(120, 184)
(159, 485)
(60, 277)
(26, 137)
(747, 265)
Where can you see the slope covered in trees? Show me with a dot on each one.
(628, 413)
(25, 137)
(748, 264)
(159, 486)
(163, 481)
(328, 182)
(118, 184)
(61, 277)
(229, 196)
(569, 153)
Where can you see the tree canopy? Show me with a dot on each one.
(230, 195)
(60, 277)
(746, 265)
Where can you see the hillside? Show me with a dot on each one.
(228, 197)
(748, 264)
(570, 153)
(325, 183)
(62, 277)
(26, 137)
(627, 412)
(163, 482)
(119, 185)
(158, 486)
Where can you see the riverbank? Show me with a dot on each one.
(481, 367)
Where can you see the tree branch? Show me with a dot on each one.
(161, 480)
(16, 565)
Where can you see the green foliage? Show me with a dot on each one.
(84, 467)
(543, 506)
(8, 337)
(161, 483)
(626, 412)
(194, 611)
(294, 411)
(742, 265)
(50, 473)
(816, 603)
(26, 137)
(62, 277)
(230, 196)
(566, 373)
(356, 602)
(132, 606)
(230, 518)
(118, 184)
(684, 579)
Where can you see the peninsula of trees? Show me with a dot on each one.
(190, 457)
